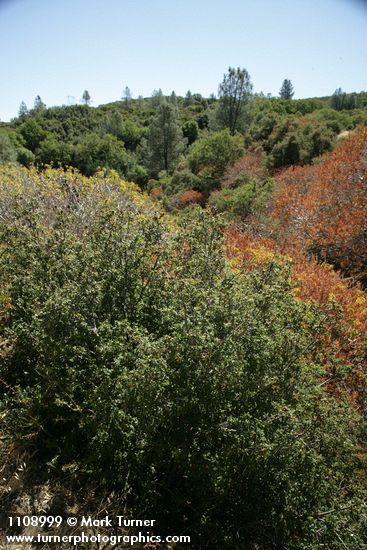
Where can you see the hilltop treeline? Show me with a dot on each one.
(172, 141)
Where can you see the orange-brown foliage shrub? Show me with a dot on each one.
(251, 166)
(156, 192)
(323, 208)
(344, 308)
(189, 197)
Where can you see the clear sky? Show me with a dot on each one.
(59, 48)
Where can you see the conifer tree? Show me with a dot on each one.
(38, 103)
(23, 110)
(126, 96)
(233, 93)
(86, 97)
(188, 98)
(165, 140)
(287, 90)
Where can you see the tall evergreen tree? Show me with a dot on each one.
(86, 97)
(340, 100)
(23, 110)
(188, 98)
(38, 103)
(126, 96)
(173, 98)
(233, 93)
(157, 97)
(287, 90)
(165, 140)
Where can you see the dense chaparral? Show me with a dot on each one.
(183, 312)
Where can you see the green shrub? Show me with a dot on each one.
(52, 151)
(8, 152)
(182, 180)
(93, 152)
(241, 201)
(139, 360)
(211, 154)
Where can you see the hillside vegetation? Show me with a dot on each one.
(184, 316)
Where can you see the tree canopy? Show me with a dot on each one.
(287, 90)
(233, 92)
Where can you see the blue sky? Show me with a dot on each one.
(58, 48)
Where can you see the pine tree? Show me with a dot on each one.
(165, 140)
(86, 97)
(38, 103)
(23, 110)
(287, 90)
(173, 98)
(188, 98)
(339, 100)
(157, 97)
(126, 96)
(233, 93)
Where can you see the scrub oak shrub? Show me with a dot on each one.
(140, 360)
(241, 202)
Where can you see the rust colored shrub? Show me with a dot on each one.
(189, 197)
(251, 166)
(344, 308)
(323, 208)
